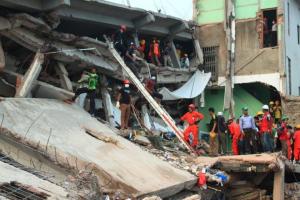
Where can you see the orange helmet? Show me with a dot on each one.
(123, 27)
(126, 81)
(192, 106)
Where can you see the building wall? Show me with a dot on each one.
(213, 11)
(292, 47)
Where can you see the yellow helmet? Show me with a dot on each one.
(212, 135)
(259, 113)
(298, 126)
(271, 102)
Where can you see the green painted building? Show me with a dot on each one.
(213, 11)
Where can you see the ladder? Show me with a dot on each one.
(161, 111)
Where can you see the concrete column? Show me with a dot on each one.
(174, 56)
(2, 57)
(107, 104)
(136, 39)
(63, 74)
(198, 50)
(31, 75)
(278, 185)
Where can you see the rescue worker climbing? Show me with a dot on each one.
(297, 144)
(92, 83)
(191, 132)
(235, 132)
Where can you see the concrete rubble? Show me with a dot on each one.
(53, 128)
(56, 150)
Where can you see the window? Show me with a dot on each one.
(298, 33)
(290, 75)
(210, 64)
(269, 28)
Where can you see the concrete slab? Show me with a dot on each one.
(10, 174)
(119, 165)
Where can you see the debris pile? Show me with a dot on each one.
(292, 191)
(247, 191)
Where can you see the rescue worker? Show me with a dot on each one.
(150, 86)
(277, 111)
(142, 48)
(266, 129)
(248, 130)
(185, 62)
(271, 105)
(257, 119)
(123, 102)
(120, 40)
(297, 144)
(92, 80)
(221, 130)
(213, 139)
(235, 132)
(283, 136)
(130, 59)
(192, 117)
(154, 52)
(167, 54)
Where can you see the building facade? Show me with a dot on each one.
(267, 41)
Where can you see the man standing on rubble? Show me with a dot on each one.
(92, 83)
(221, 129)
(123, 102)
(248, 130)
(192, 117)
(120, 40)
(213, 139)
(235, 131)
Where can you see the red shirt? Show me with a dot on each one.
(266, 123)
(297, 139)
(284, 132)
(192, 117)
(234, 130)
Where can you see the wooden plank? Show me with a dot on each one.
(278, 186)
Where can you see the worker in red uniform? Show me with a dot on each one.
(235, 132)
(284, 138)
(191, 132)
(297, 144)
(265, 128)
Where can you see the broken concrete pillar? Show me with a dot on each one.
(2, 57)
(278, 185)
(198, 50)
(64, 77)
(174, 56)
(107, 104)
(31, 75)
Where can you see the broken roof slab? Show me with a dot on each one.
(114, 159)
(10, 173)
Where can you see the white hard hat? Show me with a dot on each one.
(153, 77)
(265, 107)
(220, 114)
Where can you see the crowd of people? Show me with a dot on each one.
(154, 51)
(267, 131)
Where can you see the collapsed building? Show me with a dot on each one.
(45, 45)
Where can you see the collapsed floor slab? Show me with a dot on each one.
(59, 130)
(11, 174)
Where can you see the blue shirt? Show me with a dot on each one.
(247, 122)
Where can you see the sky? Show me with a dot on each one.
(178, 8)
